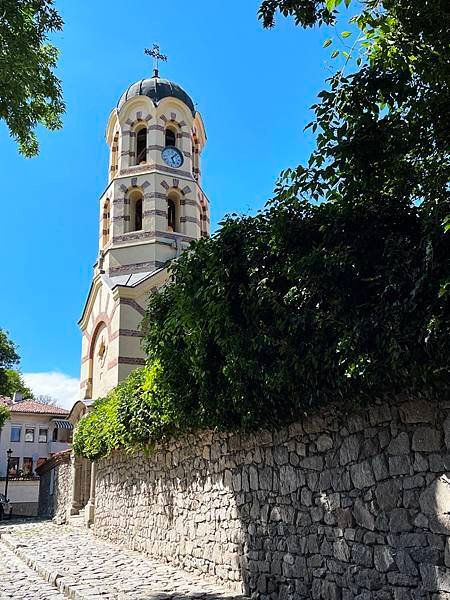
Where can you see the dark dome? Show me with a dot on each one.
(156, 89)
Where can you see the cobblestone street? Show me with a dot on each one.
(40, 561)
(19, 581)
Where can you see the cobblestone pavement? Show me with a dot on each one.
(19, 582)
(83, 567)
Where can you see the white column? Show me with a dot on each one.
(75, 504)
(90, 506)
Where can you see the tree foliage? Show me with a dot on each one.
(338, 289)
(4, 415)
(8, 358)
(15, 383)
(30, 92)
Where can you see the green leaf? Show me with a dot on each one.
(327, 43)
(346, 34)
(335, 53)
(330, 4)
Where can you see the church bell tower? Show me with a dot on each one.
(152, 208)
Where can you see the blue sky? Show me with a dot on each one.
(253, 87)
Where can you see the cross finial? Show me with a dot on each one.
(157, 56)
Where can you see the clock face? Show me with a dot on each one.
(172, 157)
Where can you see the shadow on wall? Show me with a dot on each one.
(333, 508)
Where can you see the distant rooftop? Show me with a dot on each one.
(32, 407)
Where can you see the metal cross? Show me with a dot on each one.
(157, 56)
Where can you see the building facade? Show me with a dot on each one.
(34, 432)
(153, 207)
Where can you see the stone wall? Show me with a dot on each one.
(336, 507)
(55, 485)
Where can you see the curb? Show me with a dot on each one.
(63, 584)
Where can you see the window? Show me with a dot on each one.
(105, 222)
(171, 138)
(15, 433)
(29, 434)
(136, 211)
(114, 154)
(138, 215)
(141, 146)
(171, 215)
(13, 466)
(43, 435)
(55, 435)
(27, 466)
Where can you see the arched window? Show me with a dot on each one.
(114, 155)
(138, 215)
(105, 223)
(171, 137)
(141, 146)
(171, 215)
(195, 162)
(135, 211)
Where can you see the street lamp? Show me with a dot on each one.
(8, 453)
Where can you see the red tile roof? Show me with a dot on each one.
(31, 406)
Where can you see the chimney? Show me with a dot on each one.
(18, 397)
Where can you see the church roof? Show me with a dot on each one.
(156, 89)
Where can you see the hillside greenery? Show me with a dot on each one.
(339, 289)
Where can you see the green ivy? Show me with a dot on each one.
(135, 414)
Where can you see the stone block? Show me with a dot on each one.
(426, 439)
(344, 518)
(362, 515)
(349, 450)
(446, 426)
(324, 443)
(330, 591)
(379, 414)
(380, 467)
(362, 475)
(288, 479)
(342, 550)
(384, 558)
(417, 411)
(399, 444)
(405, 563)
(387, 494)
(362, 555)
(314, 463)
(399, 465)
(399, 520)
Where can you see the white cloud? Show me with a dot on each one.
(63, 388)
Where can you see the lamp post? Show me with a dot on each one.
(8, 453)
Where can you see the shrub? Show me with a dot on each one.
(302, 305)
(138, 412)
